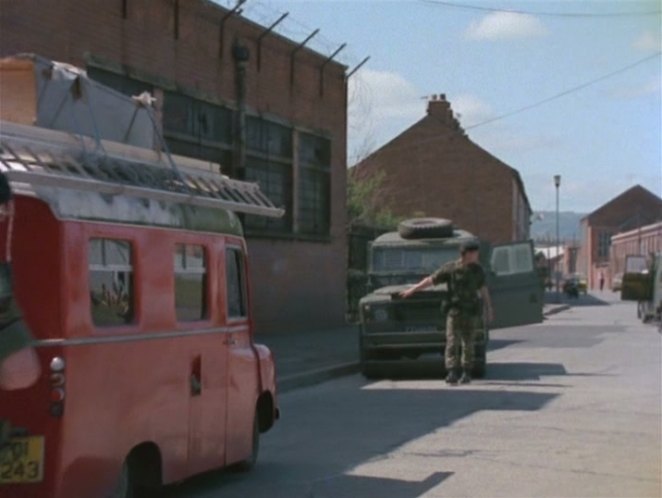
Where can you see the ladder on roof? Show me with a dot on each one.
(46, 158)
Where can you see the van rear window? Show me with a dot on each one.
(190, 282)
(111, 282)
(236, 283)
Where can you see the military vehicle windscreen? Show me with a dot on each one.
(417, 260)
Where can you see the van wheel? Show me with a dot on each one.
(248, 464)
(125, 486)
(140, 476)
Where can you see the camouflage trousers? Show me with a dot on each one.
(459, 337)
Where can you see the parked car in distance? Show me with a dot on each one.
(575, 283)
(571, 287)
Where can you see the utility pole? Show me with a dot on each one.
(557, 184)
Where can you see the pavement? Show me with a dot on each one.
(313, 356)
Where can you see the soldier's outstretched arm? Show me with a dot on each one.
(423, 284)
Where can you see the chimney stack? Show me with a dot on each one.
(440, 108)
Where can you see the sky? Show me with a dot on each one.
(601, 138)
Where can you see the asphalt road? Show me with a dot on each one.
(569, 408)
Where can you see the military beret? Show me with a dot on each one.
(469, 245)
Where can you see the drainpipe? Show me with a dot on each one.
(241, 55)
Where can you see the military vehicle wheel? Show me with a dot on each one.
(478, 371)
(425, 228)
(369, 372)
(480, 363)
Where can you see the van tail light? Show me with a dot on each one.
(57, 385)
(57, 395)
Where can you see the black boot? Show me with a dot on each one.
(466, 377)
(451, 378)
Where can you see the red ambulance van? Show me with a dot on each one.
(130, 269)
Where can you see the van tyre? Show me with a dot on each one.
(126, 483)
(249, 464)
(140, 476)
(425, 228)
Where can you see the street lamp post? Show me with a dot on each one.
(557, 184)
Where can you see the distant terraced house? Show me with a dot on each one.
(434, 169)
(635, 214)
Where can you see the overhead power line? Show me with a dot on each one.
(567, 92)
(542, 13)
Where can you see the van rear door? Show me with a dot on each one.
(207, 360)
(515, 287)
(242, 361)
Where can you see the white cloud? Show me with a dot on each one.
(381, 103)
(384, 93)
(471, 109)
(651, 87)
(506, 25)
(647, 42)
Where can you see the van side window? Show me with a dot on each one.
(190, 282)
(111, 282)
(236, 283)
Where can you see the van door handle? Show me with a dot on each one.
(196, 386)
(196, 376)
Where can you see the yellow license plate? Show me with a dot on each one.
(22, 460)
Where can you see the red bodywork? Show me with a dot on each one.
(130, 386)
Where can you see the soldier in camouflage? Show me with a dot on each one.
(465, 279)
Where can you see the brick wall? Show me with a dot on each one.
(433, 169)
(188, 56)
(634, 208)
(641, 241)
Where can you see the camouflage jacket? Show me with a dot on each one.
(463, 282)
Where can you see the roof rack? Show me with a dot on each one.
(40, 157)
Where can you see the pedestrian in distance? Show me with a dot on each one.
(602, 280)
(465, 279)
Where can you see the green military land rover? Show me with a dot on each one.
(395, 332)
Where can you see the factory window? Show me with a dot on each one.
(314, 186)
(269, 163)
(604, 243)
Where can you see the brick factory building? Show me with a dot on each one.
(645, 240)
(634, 208)
(222, 81)
(434, 169)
